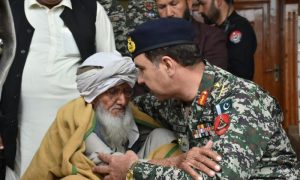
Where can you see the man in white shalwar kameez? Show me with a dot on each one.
(48, 79)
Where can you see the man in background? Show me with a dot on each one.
(241, 38)
(118, 19)
(7, 51)
(210, 40)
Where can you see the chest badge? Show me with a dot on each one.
(222, 123)
(202, 98)
(235, 37)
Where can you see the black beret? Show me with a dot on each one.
(159, 33)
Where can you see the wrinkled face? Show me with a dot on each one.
(172, 8)
(154, 76)
(115, 99)
(209, 11)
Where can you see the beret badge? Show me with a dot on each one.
(130, 45)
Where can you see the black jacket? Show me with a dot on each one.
(211, 42)
(241, 45)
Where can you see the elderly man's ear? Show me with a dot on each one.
(94, 102)
(169, 65)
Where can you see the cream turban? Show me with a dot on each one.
(113, 69)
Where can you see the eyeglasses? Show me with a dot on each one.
(116, 92)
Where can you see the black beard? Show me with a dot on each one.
(212, 17)
(207, 20)
(187, 14)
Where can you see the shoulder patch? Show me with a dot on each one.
(235, 37)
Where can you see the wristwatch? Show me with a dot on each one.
(129, 175)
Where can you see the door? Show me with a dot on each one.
(267, 56)
(275, 62)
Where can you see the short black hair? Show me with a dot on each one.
(183, 54)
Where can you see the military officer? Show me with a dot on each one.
(117, 16)
(241, 38)
(201, 102)
(140, 11)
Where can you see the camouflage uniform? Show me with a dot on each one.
(140, 11)
(255, 145)
(116, 14)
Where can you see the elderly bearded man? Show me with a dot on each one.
(99, 121)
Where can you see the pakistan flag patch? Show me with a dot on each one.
(224, 106)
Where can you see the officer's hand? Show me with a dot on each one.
(117, 165)
(202, 159)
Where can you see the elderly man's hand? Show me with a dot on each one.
(202, 159)
(117, 165)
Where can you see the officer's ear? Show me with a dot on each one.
(168, 64)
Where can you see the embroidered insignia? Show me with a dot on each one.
(223, 91)
(222, 123)
(148, 5)
(224, 106)
(149, 14)
(203, 130)
(235, 37)
(217, 85)
(130, 45)
(202, 99)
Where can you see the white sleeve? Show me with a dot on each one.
(105, 40)
(94, 145)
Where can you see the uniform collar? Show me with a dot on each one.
(34, 3)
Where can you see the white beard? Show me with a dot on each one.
(114, 129)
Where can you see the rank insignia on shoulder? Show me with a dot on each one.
(222, 123)
(224, 106)
(202, 98)
(235, 37)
